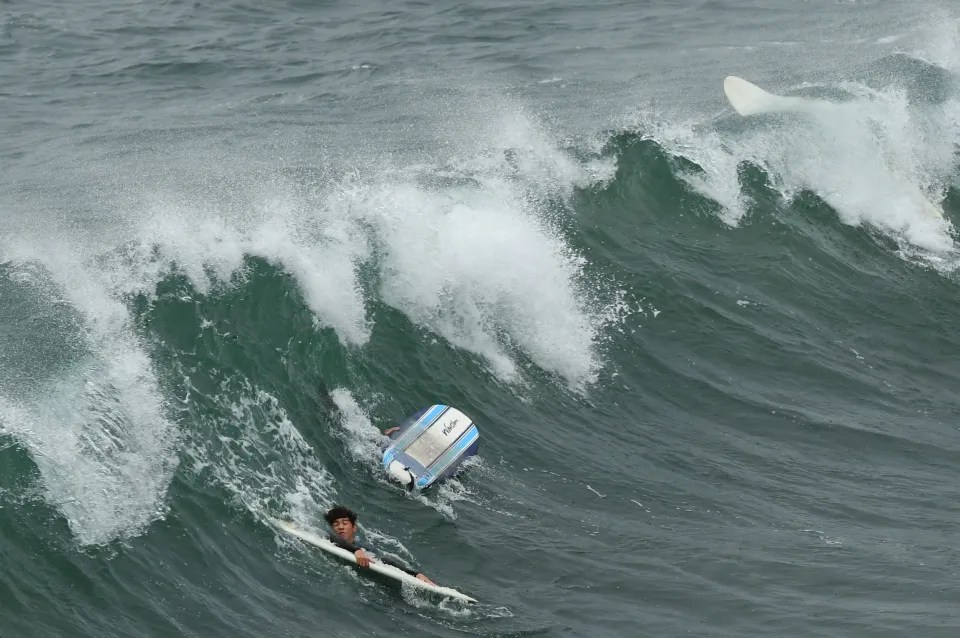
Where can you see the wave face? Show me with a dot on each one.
(712, 358)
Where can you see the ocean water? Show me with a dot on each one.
(714, 359)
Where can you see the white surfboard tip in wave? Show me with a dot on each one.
(748, 99)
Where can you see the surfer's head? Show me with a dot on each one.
(343, 522)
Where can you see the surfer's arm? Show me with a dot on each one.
(390, 431)
(413, 572)
(358, 552)
(398, 565)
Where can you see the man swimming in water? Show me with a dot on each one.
(343, 522)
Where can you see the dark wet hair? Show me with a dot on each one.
(339, 511)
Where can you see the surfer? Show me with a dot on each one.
(343, 522)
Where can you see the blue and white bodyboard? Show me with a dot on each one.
(430, 446)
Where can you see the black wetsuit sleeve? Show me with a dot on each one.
(352, 548)
(342, 544)
(398, 565)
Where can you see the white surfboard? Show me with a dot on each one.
(387, 570)
(748, 99)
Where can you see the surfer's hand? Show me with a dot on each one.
(362, 559)
(425, 579)
(390, 431)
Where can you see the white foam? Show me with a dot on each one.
(362, 437)
(872, 159)
(876, 159)
(97, 430)
(321, 253)
(938, 39)
(326, 271)
(243, 440)
(468, 247)
(499, 139)
(473, 266)
(718, 179)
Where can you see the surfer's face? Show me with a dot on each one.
(344, 529)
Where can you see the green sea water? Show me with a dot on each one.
(713, 359)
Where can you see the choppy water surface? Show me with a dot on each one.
(713, 358)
